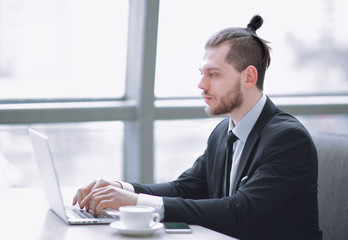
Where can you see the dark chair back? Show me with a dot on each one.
(333, 185)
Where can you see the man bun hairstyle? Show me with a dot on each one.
(255, 23)
(246, 47)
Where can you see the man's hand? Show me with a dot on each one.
(109, 197)
(83, 192)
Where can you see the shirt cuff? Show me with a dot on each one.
(127, 186)
(145, 199)
(153, 201)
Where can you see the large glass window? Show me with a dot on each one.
(326, 124)
(62, 49)
(71, 50)
(81, 152)
(309, 42)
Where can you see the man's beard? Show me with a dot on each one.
(228, 103)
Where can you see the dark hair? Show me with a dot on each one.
(246, 48)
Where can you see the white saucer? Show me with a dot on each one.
(128, 231)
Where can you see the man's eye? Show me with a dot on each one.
(212, 74)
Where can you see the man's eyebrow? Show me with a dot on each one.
(209, 69)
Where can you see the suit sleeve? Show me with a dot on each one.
(190, 185)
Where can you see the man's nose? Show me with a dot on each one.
(203, 84)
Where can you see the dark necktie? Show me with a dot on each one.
(230, 140)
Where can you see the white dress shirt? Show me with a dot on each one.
(241, 130)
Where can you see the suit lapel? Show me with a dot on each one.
(252, 141)
(219, 165)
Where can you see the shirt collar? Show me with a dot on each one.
(244, 126)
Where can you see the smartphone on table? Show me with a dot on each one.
(177, 227)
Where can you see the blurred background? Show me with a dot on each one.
(65, 70)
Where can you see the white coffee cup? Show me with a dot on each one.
(138, 217)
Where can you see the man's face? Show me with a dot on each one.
(221, 83)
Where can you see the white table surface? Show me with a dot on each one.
(37, 222)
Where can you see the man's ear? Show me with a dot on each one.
(250, 76)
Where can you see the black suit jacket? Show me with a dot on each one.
(275, 191)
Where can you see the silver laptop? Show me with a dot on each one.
(70, 214)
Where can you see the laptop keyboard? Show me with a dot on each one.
(83, 214)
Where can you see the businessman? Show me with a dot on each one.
(257, 178)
